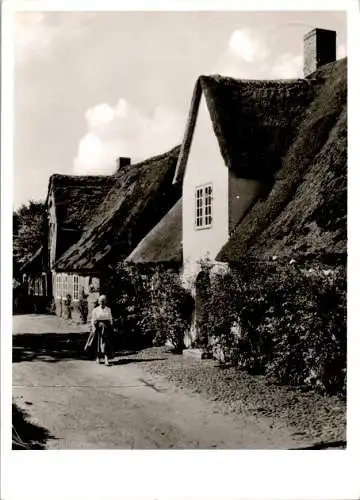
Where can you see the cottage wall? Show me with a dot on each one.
(52, 229)
(232, 197)
(204, 243)
(63, 284)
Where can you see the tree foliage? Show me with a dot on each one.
(28, 231)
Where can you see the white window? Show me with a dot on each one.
(203, 206)
(65, 285)
(58, 286)
(76, 287)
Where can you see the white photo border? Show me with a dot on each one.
(159, 475)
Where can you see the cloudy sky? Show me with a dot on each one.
(91, 86)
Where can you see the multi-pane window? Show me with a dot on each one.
(76, 287)
(65, 285)
(58, 286)
(203, 207)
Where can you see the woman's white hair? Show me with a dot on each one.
(102, 297)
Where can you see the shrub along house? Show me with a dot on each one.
(276, 185)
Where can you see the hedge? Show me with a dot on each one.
(149, 305)
(285, 321)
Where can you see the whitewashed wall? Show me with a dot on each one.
(53, 224)
(200, 244)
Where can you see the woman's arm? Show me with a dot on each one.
(93, 319)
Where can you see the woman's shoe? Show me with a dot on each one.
(97, 360)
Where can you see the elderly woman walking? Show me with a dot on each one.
(102, 328)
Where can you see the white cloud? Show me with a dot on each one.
(125, 130)
(245, 45)
(249, 56)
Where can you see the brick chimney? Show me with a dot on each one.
(121, 162)
(319, 49)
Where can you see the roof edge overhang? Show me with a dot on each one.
(201, 87)
(189, 131)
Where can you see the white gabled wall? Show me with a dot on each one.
(52, 229)
(205, 165)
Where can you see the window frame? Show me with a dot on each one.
(76, 287)
(204, 204)
(65, 285)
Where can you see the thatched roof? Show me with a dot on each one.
(140, 196)
(305, 211)
(164, 243)
(77, 196)
(244, 114)
(301, 128)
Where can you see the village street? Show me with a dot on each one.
(83, 405)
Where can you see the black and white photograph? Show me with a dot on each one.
(179, 230)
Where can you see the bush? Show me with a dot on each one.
(168, 314)
(149, 306)
(290, 323)
(127, 293)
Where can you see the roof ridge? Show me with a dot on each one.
(217, 77)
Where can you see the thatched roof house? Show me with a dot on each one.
(73, 199)
(94, 222)
(244, 115)
(76, 197)
(305, 212)
(291, 137)
(140, 195)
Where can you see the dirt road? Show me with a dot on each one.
(88, 406)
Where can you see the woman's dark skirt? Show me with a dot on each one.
(102, 339)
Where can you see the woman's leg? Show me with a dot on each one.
(107, 347)
(98, 350)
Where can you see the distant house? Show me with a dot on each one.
(96, 221)
(276, 182)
